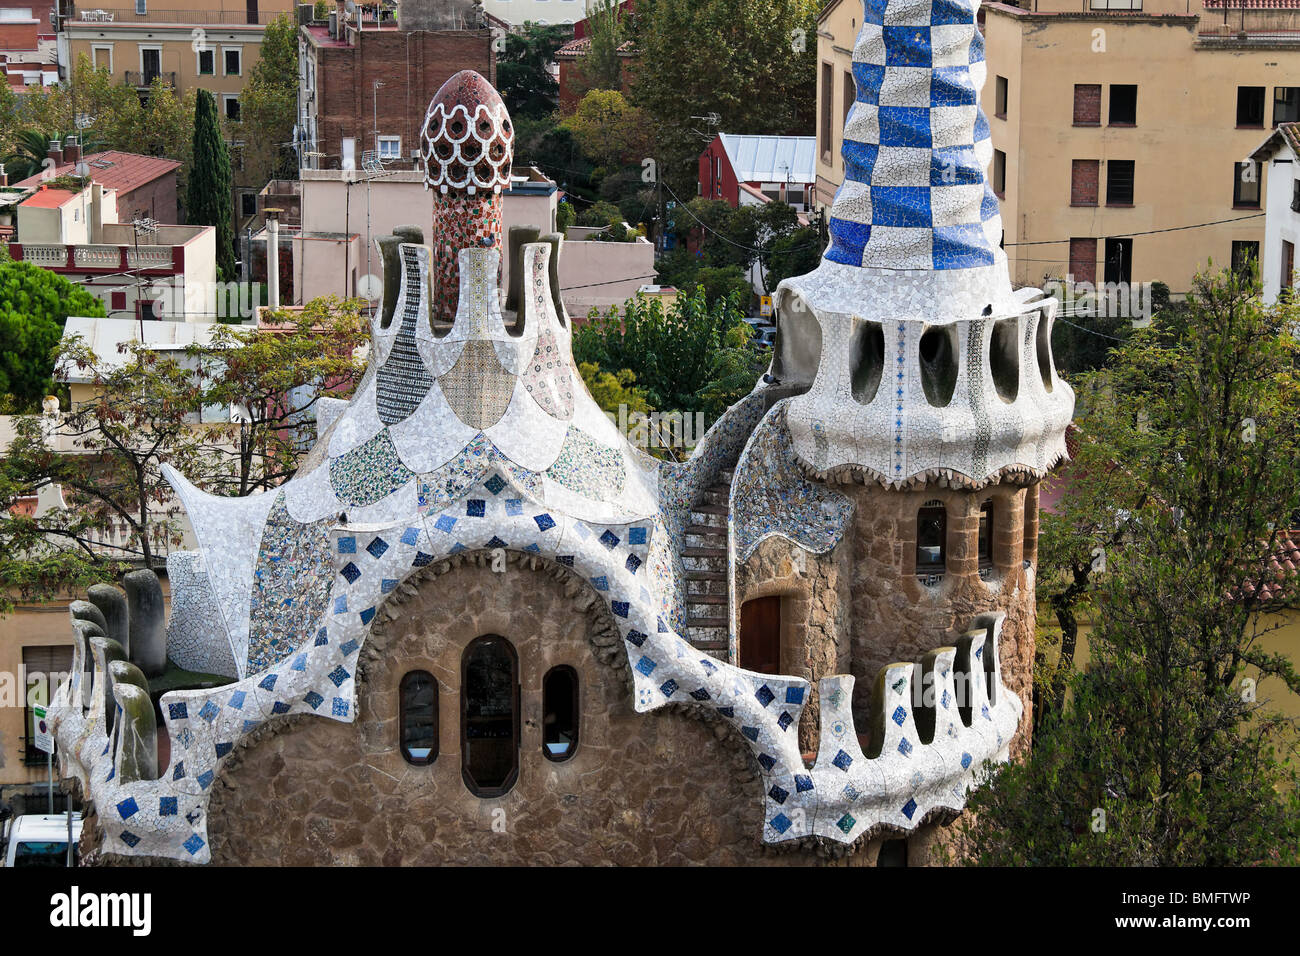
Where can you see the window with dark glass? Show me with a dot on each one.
(999, 172)
(207, 65)
(985, 548)
(1119, 182)
(418, 717)
(1000, 96)
(1250, 106)
(1119, 260)
(931, 535)
(560, 713)
(489, 716)
(1245, 184)
(1286, 104)
(1123, 104)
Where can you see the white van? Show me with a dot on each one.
(41, 839)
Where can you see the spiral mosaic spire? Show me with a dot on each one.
(916, 143)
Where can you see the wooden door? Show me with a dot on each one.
(760, 635)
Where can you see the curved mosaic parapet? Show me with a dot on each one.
(842, 797)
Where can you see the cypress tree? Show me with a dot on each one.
(209, 192)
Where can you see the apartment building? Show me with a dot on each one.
(1122, 129)
(365, 87)
(191, 44)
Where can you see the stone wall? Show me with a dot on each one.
(660, 788)
(895, 617)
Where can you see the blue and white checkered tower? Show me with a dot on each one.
(915, 247)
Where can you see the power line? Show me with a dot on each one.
(738, 245)
(1129, 235)
(1113, 338)
(610, 282)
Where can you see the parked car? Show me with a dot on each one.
(41, 839)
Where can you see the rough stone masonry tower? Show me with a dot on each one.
(931, 395)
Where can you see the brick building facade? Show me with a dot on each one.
(339, 103)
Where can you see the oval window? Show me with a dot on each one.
(489, 716)
(560, 713)
(418, 717)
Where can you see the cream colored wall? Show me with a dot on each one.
(1185, 143)
(836, 34)
(177, 56)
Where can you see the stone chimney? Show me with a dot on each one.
(55, 152)
(72, 149)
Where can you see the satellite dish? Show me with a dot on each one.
(83, 169)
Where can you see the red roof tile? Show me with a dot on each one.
(48, 198)
(114, 169)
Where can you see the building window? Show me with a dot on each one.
(390, 148)
(1244, 256)
(1123, 105)
(117, 301)
(560, 713)
(41, 667)
(1250, 106)
(230, 103)
(489, 716)
(1087, 104)
(231, 58)
(248, 204)
(1000, 97)
(931, 541)
(1295, 195)
(1287, 275)
(1286, 104)
(102, 58)
(984, 549)
(1119, 182)
(1245, 184)
(1083, 260)
(141, 8)
(999, 173)
(1119, 260)
(1116, 4)
(828, 82)
(1084, 175)
(207, 63)
(848, 95)
(418, 717)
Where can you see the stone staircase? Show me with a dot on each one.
(705, 559)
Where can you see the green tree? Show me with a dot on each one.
(208, 194)
(274, 377)
(608, 128)
(34, 304)
(601, 67)
(1195, 418)
(754, 64)
(792, 253)
(523, 79)
(676, 355)
(268, 105)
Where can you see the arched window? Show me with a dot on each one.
(560, 713)
(931, 538)
(892, 853)
(418, 717)
(489, 716)
(985, 547)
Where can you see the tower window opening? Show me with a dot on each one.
(418, 717)
(985, 547)
(560, 713)
(939, 364)
(931, 535)
(489, 716)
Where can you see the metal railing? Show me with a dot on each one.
(143, 80)
(202, 17)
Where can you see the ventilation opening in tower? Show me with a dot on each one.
(1004, 358)
(867, 361)
(1043, 346)
(939, 364)
(798, 347)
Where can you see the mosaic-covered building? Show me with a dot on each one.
(446, 635)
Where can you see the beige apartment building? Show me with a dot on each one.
(191, 44)
(1119, 128)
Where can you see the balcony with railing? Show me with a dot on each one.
(144, 80)
(152, 17)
